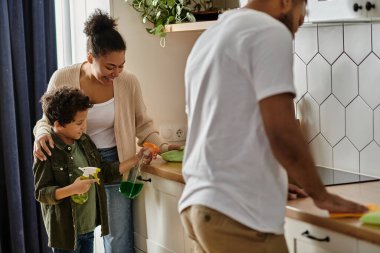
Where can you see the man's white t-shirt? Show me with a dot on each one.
(228, 165)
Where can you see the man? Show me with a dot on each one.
(242, 131)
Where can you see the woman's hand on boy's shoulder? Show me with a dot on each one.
(40, 144)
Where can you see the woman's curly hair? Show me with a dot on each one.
(102, 36)
(63, 103)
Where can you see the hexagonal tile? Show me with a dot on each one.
(359, 126)
(299, 69)
(370, 160)
(376, 120)
(306, 43)
(319, 78)
(330, 39)
(308, 113)
(346, 156)
(321, 151)
(376, 38)
(369, 77)
(357, 41)
(345, 79)
(332, 120)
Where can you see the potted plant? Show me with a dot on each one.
(162, 12)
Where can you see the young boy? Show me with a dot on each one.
(69, 224)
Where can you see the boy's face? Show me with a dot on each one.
(74, 130)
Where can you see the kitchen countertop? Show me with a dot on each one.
(304, 209)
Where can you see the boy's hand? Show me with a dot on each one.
(82, 185)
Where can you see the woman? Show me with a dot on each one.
(118, 117)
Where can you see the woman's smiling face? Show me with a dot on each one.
(107, 67)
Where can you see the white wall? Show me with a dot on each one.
(160, 70)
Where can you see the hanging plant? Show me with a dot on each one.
(162, 12)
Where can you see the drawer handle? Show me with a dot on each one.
(145, 180)
(308, 235)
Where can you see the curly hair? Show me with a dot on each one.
(63, 103)
(102, 36)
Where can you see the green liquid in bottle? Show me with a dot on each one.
(80, 198)
(130, 189)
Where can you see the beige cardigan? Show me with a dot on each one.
(131, 119)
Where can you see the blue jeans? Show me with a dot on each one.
(85, 244)
(121, 237)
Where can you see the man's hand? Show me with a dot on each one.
(294, 192)
(336, 204)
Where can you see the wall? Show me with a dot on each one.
(160, 70)
(337, 76)
(336, 72)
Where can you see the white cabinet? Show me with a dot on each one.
(366, 247)
(303, 237)
(139, 222)
(165, 232)
(342, 10)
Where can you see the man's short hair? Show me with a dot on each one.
(63, 103)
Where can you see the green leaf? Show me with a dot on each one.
(190, 17)
(150, 30)
(158, 14)
(159, 30)
(170, 20)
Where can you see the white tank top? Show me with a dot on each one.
(100, 124)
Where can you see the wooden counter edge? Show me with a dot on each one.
(163, 173)
(335, 225)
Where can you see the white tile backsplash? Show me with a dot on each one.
(359, 123)
(308, 114)
(332, 120)
(337, 77)
(319, 78)
(369, 80)
(376, 121)
(346, 156)
(370, 160)
(306, 43)
(321, 151)
(300, 77)
(357, 41)
(345, 79)
(330, 40)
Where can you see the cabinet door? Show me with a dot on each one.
(330, 10)
(139, 222)
(302, 237)
(366, 247)
(165, 232)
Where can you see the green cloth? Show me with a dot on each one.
(372, 218)
(86, 212)
(173, 156)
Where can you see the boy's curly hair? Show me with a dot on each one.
(63, 103)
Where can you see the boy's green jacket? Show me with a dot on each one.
(57, 171)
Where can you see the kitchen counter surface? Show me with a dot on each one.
(304, 209)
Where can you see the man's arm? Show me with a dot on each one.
(292, 152)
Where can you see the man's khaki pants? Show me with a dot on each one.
(213, 232)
